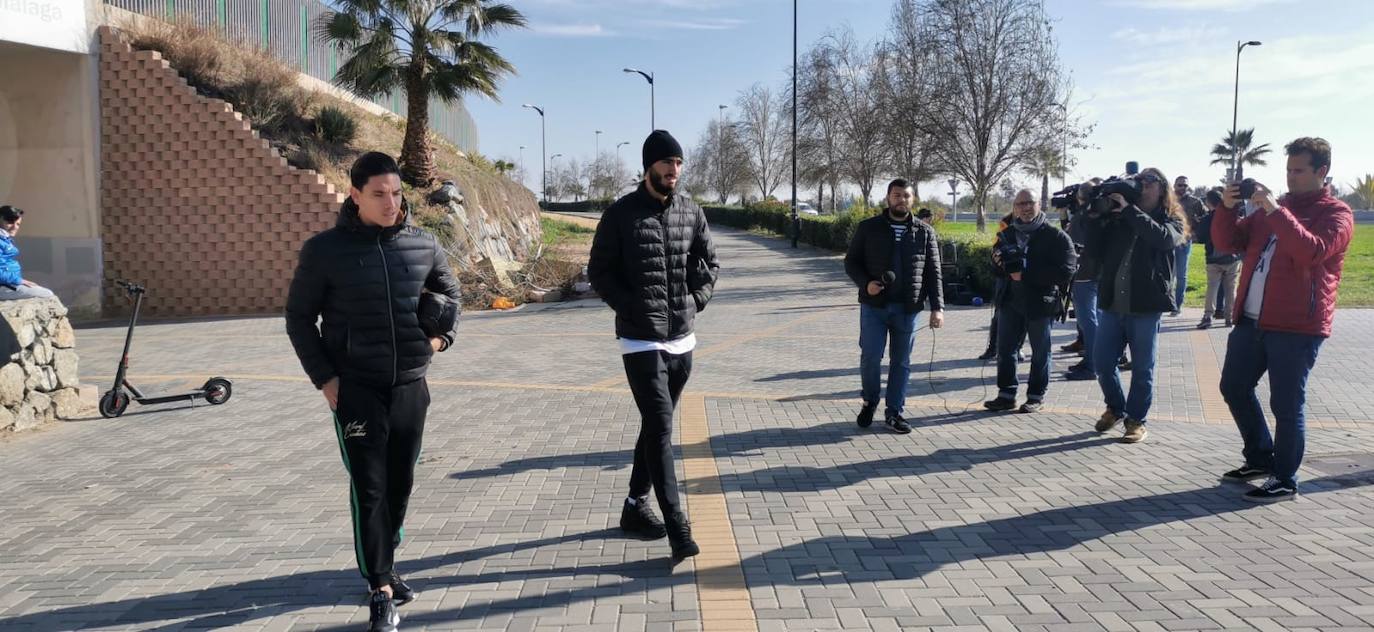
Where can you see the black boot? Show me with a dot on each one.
(638, 520)
(680, 537)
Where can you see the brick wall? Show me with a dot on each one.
(194, 205)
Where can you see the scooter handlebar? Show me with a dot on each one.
(132, 288)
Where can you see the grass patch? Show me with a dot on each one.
(559, 233)
(1357, 278)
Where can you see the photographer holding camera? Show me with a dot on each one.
(1038, 259)
(1084, 292)
(1294, 249)
(1135, 226)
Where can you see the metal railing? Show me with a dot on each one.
(283, 27)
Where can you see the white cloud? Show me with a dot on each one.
(717, 24)
(1198, 5)
(1170, 36)
(571, 30)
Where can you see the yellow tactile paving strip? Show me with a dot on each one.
(723, 599)
(1208, 375)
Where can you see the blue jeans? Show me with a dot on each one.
(1288, 358)
(1085, 311)
(1181, 273)
(1114, 332)
(891, 327)
(1012, 328)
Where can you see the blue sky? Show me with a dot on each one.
(1154, 76)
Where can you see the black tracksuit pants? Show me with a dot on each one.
(656, 380)
(379, 433)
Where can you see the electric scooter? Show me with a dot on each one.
(216, 390)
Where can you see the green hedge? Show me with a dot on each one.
(971, 253)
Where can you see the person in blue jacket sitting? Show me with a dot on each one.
(12, 283)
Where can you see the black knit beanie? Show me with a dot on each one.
(660, 145)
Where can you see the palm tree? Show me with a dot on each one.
(1364, 188)
(426, 47)
(503, 166)
(1223, 152)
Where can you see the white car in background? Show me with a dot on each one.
(804, 208)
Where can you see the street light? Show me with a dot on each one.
(649, 77)
(521, 166)
(596, 165)
(1235, 107)
(954, 197)
(796, 220)
(1064, 155)
(552, 161)
(543, 147)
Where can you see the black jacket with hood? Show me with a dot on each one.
(365, 281)
(655, 265)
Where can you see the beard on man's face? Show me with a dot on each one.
(659, 185)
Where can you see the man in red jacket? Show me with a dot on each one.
(1294, 249)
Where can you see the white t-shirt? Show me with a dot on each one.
(676, 347)
(1254, 298)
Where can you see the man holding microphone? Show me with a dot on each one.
(895, 262)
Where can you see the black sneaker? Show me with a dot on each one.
(1001, 403)
(1272, 491)
(1124, 364)
(680, 537)
(401, 592)
(1245, 474)
(638, 520)
(866, 414)
(989, 354)
(383, 616)
(1031, 406)
(1206, 323)
(1080, 374)
(896, 424)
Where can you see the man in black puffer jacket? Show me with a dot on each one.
(369, 356)
(895, 261)
(653, 262)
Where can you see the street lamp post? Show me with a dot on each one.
(543, 148)
(1064, 154)
(553, 160)
(521, 166)
(619, 162)
(649, 77)
(954, 197)
(1235, 108)
(596, 164)
(796, 220)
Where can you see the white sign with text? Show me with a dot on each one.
(59, 24)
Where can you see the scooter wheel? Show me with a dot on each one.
(218, 390)
(113, 403)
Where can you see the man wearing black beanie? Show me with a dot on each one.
(653, 262)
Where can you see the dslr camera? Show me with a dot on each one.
(1012, 256)
(1097, 196)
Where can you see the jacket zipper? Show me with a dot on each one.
(668, 269)
(390, 316)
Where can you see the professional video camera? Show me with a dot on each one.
(1098, 203)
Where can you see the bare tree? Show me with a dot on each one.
(903, 102)
(995, 66)
(819, 137)
(857, 106)
(720, 161)
(763, 125)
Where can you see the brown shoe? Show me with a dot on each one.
(1107, 421)
(1135, 432)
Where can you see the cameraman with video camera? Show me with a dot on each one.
(1038, 260)
(1134, 227)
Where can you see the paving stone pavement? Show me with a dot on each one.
(236, 516)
